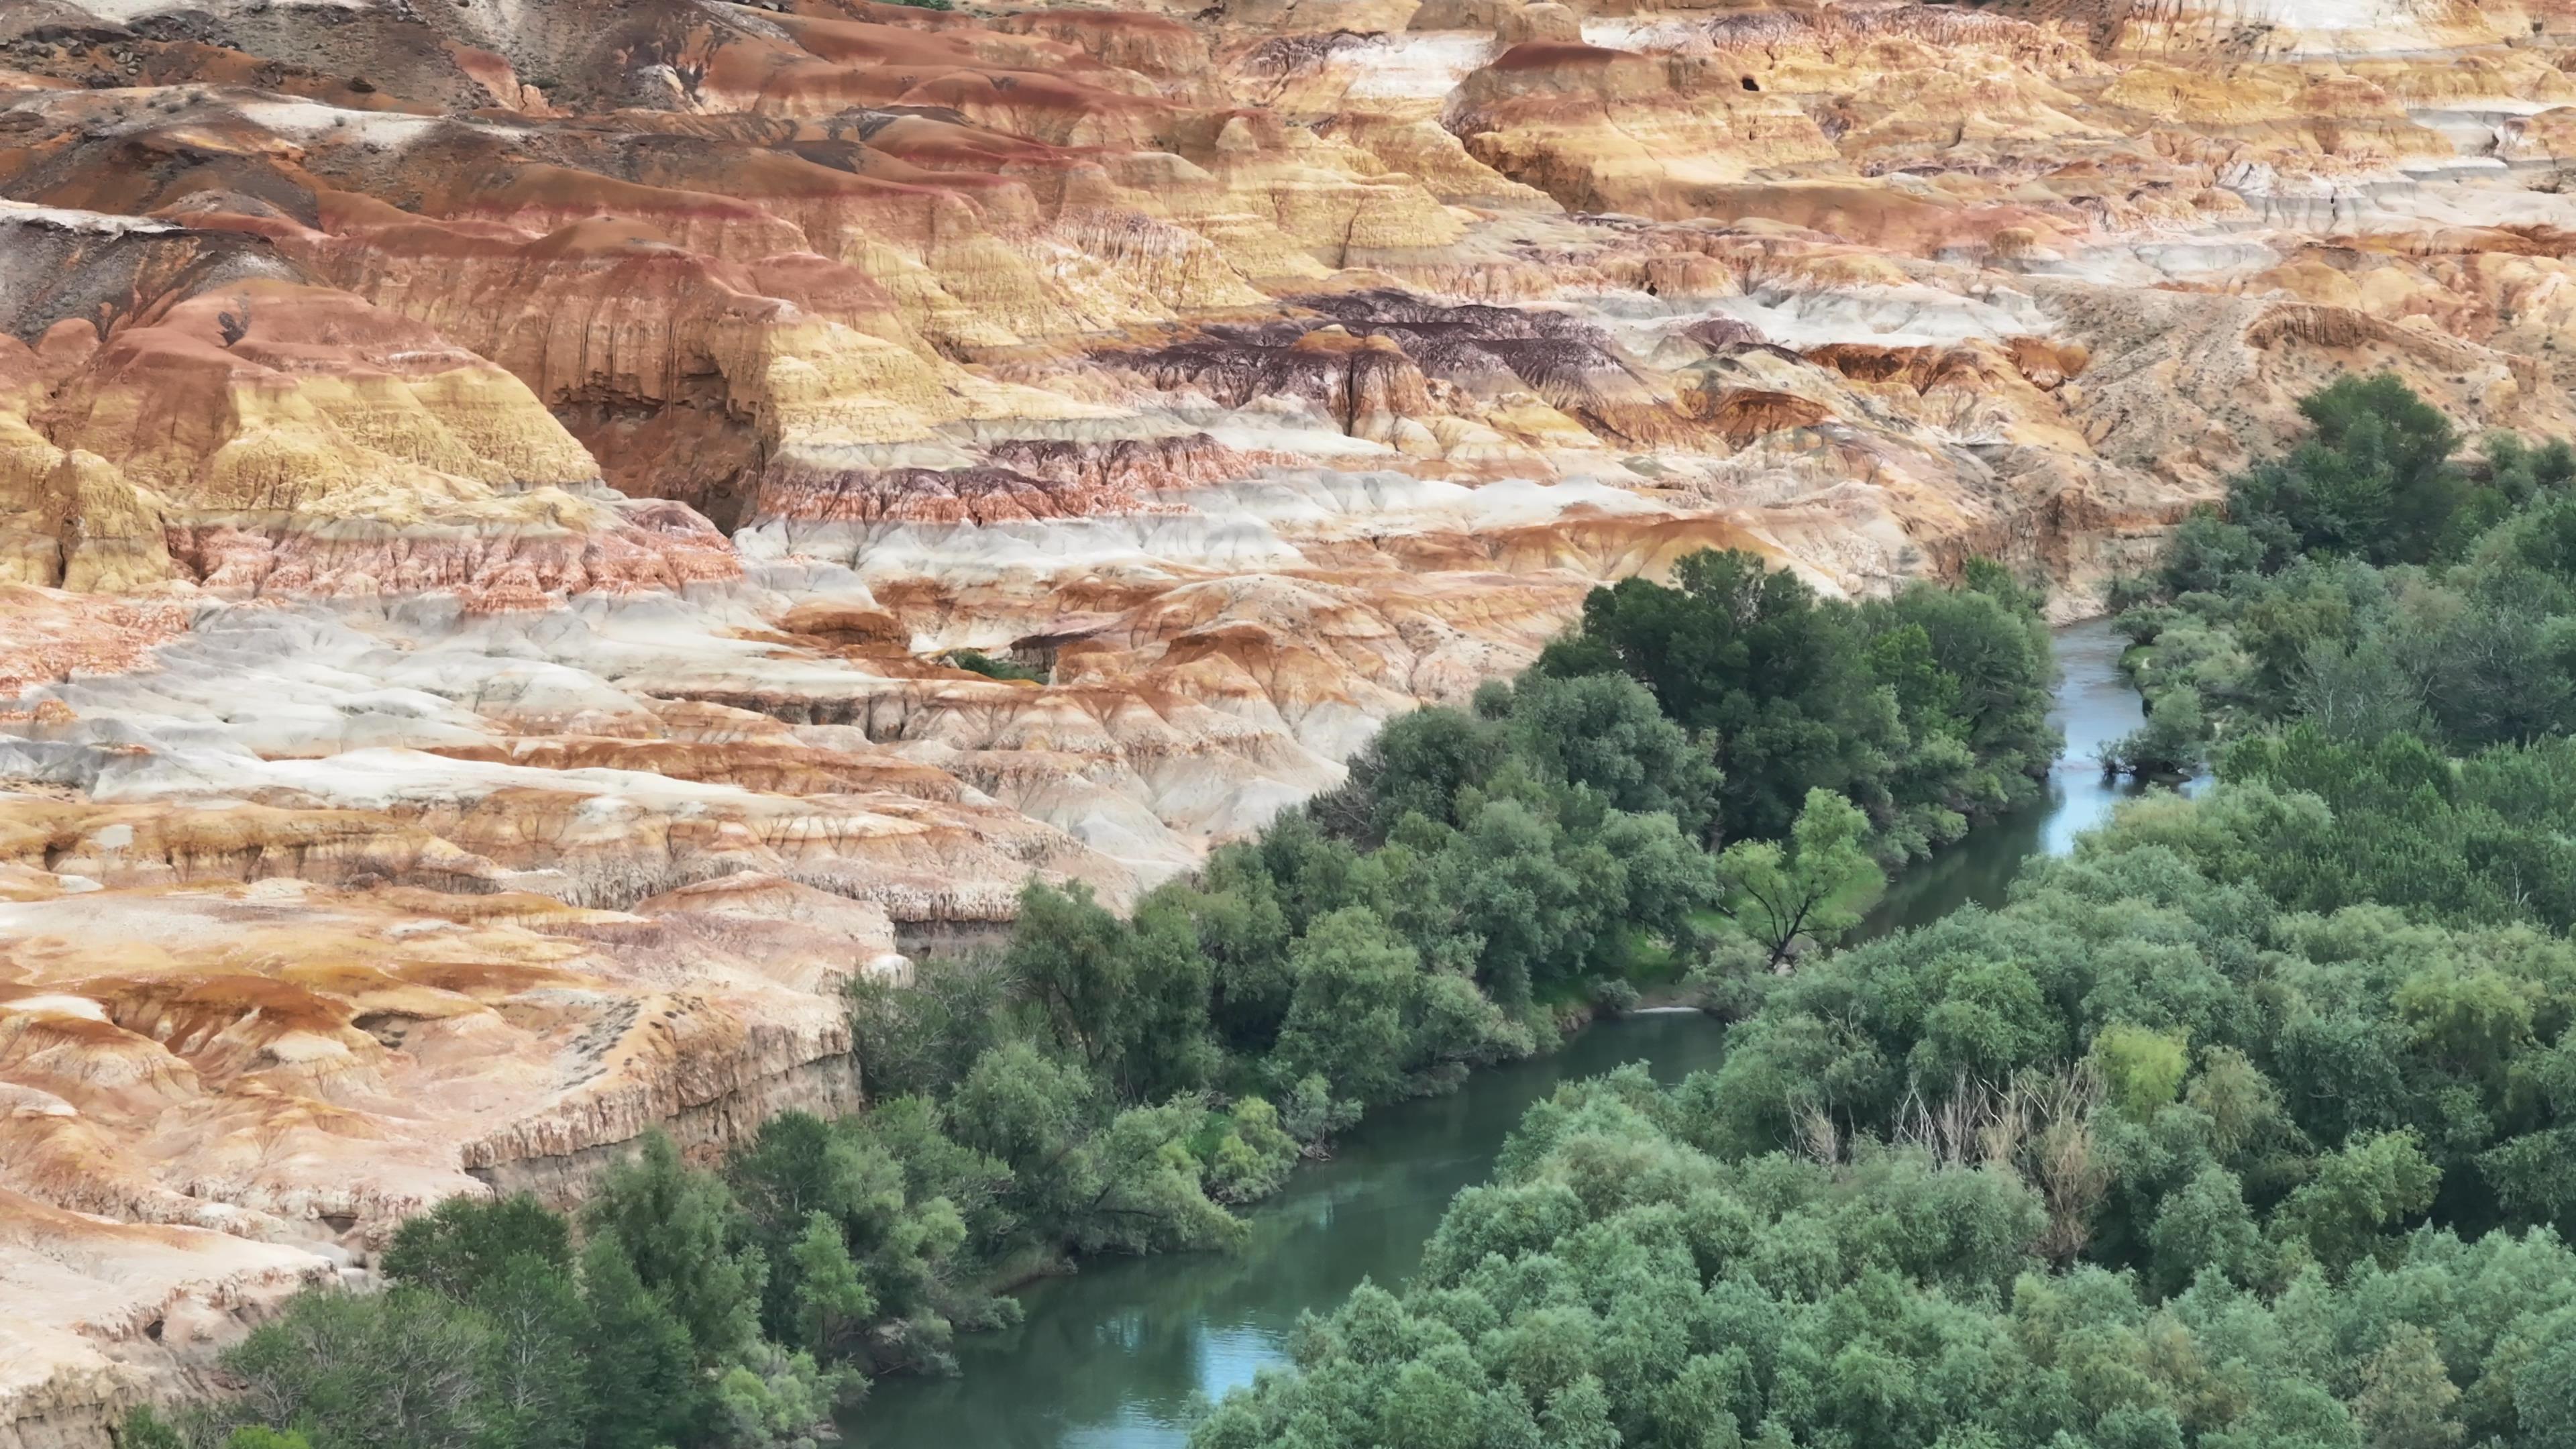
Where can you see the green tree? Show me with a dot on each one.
(536, 1394)
(1252, 1154)
(920, 1038)
(2407, 1397)
(1069, 956)
(2208, 554)
(638, 1360)
(882, 1184)
(1346, 1023)
(2172, 743)
(2373, 481)
(1511, 884)
(1243, 932)
(464, 1242)
(1164, 1042)
(145, 1428)
(404, 1368)
(830, 1301)
(2544, 1394)
(1776, 679)
(2142, 1069)
(1814, 886)
(683, 1233)
(2359, 1193)
(2206, 1227)
(1415, 765)
(1032, 1115)
(1578, 1417)
(1606, 733)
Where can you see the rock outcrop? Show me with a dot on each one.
(494, 498)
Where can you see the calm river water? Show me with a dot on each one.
(1122, 1355)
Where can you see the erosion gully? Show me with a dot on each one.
(1125, 1354)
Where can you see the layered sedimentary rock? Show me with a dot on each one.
(492, 496)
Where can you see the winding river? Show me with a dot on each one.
(1124, 1354)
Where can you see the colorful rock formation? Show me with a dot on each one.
(490, 494)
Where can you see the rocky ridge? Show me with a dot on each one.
(490, 494)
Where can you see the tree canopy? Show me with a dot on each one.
(2247, 1124)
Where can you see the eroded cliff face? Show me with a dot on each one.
(487, 491)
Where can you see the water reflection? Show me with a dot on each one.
(1123, 1355)
(2095, 706)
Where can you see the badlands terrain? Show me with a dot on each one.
(490, 489)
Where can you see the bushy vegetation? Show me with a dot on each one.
(2148, 1157)
(2249, 1124)
(2370, 585)
(1621, 1284)
(976, 661)
(499, 1330)
(1924, 710)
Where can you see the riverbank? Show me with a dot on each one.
(1123, 1354)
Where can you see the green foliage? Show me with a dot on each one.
(532, 1352)
(2140, 1069)
(1247, 1152)
(2544, 1398)
(1923, 709)
(1617, 1285)
(1415, 765)
(1814, 887)
(1102, 1181)
(462, 1243)
(683, 1233)
(976, 661)
(2250, 1016)
(2371, 586)
(868, 1259)
(2479, 840)
(828, 1299)
(2208, 555)
(1346, 1022)
(774, 1396)
(2206, 1227)
(2374, 1184)
(537, 1394)
(1069, 958)
(2375, 481)
(2171, 744)
(402, 1368)
(1604, 732)
(919, 1039)
(1130, 1002)
(1776, 679)
(145, 1428)
(1310, 1115)
(639, 1361)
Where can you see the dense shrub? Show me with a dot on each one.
(1618, 1285)
(2246, 1125)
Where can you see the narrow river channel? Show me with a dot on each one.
(1122, 1355)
